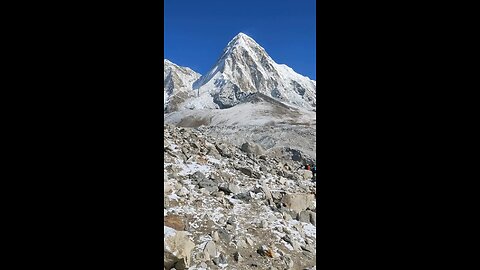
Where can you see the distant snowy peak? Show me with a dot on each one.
(177, 84)
(245, 68)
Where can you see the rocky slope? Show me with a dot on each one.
(235, 207)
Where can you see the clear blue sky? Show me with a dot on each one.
(196, 31)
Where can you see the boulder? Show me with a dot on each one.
(175, 222)
(298, 202)
(252, 148)
(177, 249)
(307, 175)
(229, 188)
(211, 249)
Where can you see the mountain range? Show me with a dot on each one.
(244, 72)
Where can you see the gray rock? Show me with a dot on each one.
(237, 257)
(211, 249)
(292, 242)
(313, 218)
(215, 236)
(183, 192)
(252, 148)
(298, 202)
(304, 216)
(229, 188)
(224, 236)
(220, 259)
(198, 176)
(245, 196)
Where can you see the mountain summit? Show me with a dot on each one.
(244, 68)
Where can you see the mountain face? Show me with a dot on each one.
(245, 68)
(177, 85)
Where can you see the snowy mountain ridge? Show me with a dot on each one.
(177, 85)
(244, 68)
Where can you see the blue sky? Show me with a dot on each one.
(196, 31)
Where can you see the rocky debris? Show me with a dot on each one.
(234, 207)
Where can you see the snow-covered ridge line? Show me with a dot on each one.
(244, 67)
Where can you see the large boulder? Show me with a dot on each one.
(298, 202)
(175, 222)
(177, 249)
(307, 175)
(252, 148)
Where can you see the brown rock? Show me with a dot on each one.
(174, 221)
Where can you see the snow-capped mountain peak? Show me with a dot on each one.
(245, 68)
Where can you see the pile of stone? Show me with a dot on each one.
(235, 207)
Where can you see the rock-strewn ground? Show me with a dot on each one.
(235, 207)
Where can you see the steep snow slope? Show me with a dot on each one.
(245, 67)
(177, 85)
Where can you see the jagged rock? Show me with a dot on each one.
(237, 257)
(215, 236)
(304, 216)
(211, 249)
(292, 242)
(177, 249)
(183, 192)
(223, 150)
(241, 243)
(249, 241)
(220, 260)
